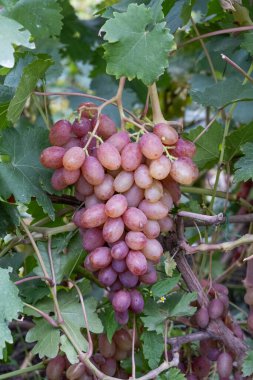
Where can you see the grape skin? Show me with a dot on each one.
(52, 157)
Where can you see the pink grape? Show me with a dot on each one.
(119, 265)
(92, 239)
(60, 133)
(184, 148)
(77, 217)
(173, 188)
(100, 258)
(83, 187)
(119, 140)
(74, 141)
(105, 190)
(92, 147)
(123, 339)
(106, 348)
(166, 224)
(151, 146)
(79, 196)
(154, 192)
(81, 127)
(55, 368)
(122, 317)
(224, 364)
(70, 177)
(128, 279)
(202, 317)
(94, 216)
(88, 265)
(152, 229)
(142, 177)
(107, 276)
(160, 168)
(134, 196)
(167, 199)
(136, 263)
(123, 181)
(215, 308)
(220, 288)
(116, 286)
(166, 133)
(134, 219)
(73, 158)
(153, 250)
(116, 206)
(98, 358)
(150, 277)
(131, 157)
(57, 180)
(75, 371)
(135, 240)
(184, 171)
(109, 156)
(154, 211)
(137, 301)
(119, 250)
(121, 301)
(113, 229)
(52, 156)
(106, 127)
(93, 171)
(92, 200)
(87, 109)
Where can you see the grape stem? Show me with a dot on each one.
(235, 219)
(209, 219)
(44, 315)
(13, 374)
(155, 104)
(32, 278)
(178, 341)
(238, 68)
(133, 344)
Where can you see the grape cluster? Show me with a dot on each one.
(128, 188)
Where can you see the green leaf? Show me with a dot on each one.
(69, 350)
(134, 50)
(179, 14)
(23, 175)
(9, 218)
(163, 287)
(153, 347)
(236, 139)
(223, 93)
(169, 265)
(247, 43)
(247, 366)
(10, 306)
(31, 74)
(42, 19)
(244, 165)
(172, 374)
(12, 34)
(64, 263)
(47, 338)
(208, 145)
(179, 304)
(109, 322)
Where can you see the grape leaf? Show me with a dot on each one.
(163, 287)
(134, 50)
(244, 165)
(179, 14)
(69, 350)
(10, 306)
(153, 347)
(47, 338)
(172, 374)
(236, 139)
(31, 74)
(223, 93)
(23, 175)
(9, 218)
(109, 322)
(12, 33)
(41, 18)
(247, 43)
(208, 145)
(247, 366)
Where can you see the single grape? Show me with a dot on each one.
(151, 229)
(202, 317)
(116, 206)
(154, 211)
(55, 368)
(215, 308)
(123, 340)
(116, 286)
(92, 200)
(151, 146)
(73, 158)
(155, 192)
(88, 265)
(167, 199)
(119, 265)
(119, 250)
(60, 133)
(135, 240)
(136, 263)
(70, 177)
(92, 239)
(106, 127)
(160, 168)
(142, 177)
(119, 140)
(93, 171)
(74, 141)
(184, 171)
(81, 127)
(224, 364)
(220, 288)
(94, 216)
(109, 156)
(173, 188)
(106, 348)
(128, 279)
(100, 258)
(250, 320)
(87, 109)
(122, 317)
(153, 250)
(137, 301)
(80, 197)
(201, 366)
(123, 181)
(77, 217)
(121, 301)
(150, 277)
(134, 219)
(57, 180)
(131, 157)
(166, 224)
(166, 133)
(75, 371)
(105, 190)
(113, 229)
(184, 148)
(52, 156)
(83, 187)
(134, 196)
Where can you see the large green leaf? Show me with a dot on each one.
(244, 166)
(12, 34)
(23, 175)
(163, 287)
(236, 139)
(172, 374)
(30, 76)
(247, 366)
(134, 50)
(10, 306)
(153, 347)
(9, 218)
(109, 322)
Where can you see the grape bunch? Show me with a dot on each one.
(128, 187)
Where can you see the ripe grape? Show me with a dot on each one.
(100, 258)
(74, 141)
(119, 140)
(88, 265)
(113, 229)
(154, 211)
(167, 199)
(55, 368)
(116, 206)
(109, 368)
(224, 364)
(123, 339)
(92, 239)
(128, 279)
(83, 187)
(91, 200)
(137, 301)
(93, 171)
(202, 317)
(201, 366)
(151, 146)
(75, 371)
(166, 133)
(81, 127)
(57, 180)
(123, 181)
(152, 229)
(107, 276)
(134, 219)
(106, 348)
(150, 277)
(121, 301)
(119, 250)
(135, 240)
(109, 156)
(120, 355)
(70, 177)
(136, 263)
(52, 156)
(160, 168)
(106, 127)
(154, 192)
(215, 308)
(131, 157)
(73, 158)
(134, 195)
(119, 265)
(166, 224)
(94, 216)
(122, 317)
(184, 148)
(184, 171)
(173, 188)
(153, 250)
(87, 109)
(142, 177)
(105, 190)
(60, 133)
